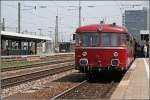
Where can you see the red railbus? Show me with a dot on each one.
(103, 47)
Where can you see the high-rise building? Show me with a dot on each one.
(135, 21)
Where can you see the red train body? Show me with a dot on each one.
(103, 47)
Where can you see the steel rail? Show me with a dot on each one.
(12, 81)
(69, 90)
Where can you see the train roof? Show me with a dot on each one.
(102, 28)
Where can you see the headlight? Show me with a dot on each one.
(114, 62)
(83, 61)
(84, 53)
(115, 54)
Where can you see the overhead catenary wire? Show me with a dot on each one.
(47, 19)
(73, 6)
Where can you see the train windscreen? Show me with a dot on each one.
(103, 39)
(108, 39)
(90, 40)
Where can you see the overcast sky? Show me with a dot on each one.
(92, 12)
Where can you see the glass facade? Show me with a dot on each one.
(135, 20)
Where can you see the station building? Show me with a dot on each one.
(137, 23)
(66, 47)
(24, 44)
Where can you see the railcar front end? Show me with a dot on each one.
(103, 50)
(97, 59)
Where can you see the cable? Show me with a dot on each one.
(45, 18)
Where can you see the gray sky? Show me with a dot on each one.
(67, 12)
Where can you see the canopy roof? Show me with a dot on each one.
(13, 35)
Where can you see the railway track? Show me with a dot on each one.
(91, 89)
(35, 65)
(63, 94)
(18, 79)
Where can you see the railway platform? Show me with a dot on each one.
(38, 56)
(135, 83)
(41, 55)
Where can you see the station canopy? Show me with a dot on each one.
(20, 36)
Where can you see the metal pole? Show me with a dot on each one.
(148, 16)
(40, 31)
(62, 36)
(56, 33)
(3, 25)
(79, 13)
(19, 7)
(0, 32)
(35, 47)
(148, 8)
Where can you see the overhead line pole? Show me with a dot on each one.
(79, 13)
(19, 27)
(0, 30)
(148, 8)
(3, 25)
(56, 33)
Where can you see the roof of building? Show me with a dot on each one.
(23, 36)
(102, 27)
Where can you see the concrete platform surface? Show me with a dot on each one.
(135, 83)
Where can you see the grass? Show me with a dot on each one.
(22, 63)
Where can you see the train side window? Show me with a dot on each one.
(123, 39)
(128, 38)
(77, 39)
(74, 36)
(131, 41)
